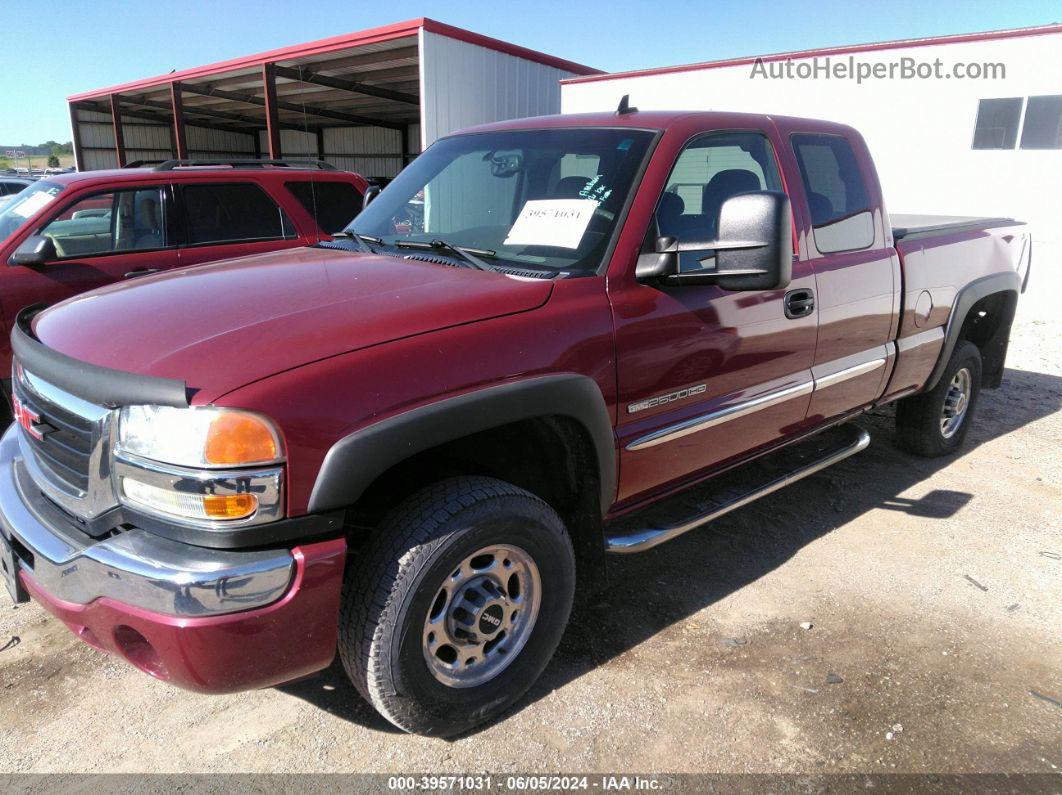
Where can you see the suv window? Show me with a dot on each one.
(233, 213)
(333, 205)
(710, 170)
(113, 222)
(836, 193)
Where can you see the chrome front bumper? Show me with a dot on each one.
(135, 568)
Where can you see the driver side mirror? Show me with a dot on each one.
(34, 250)
(753, 249)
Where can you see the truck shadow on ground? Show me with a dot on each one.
(706, 565)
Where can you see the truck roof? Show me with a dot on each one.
(654, 120)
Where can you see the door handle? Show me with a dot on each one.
(799, 303)
(140, 272)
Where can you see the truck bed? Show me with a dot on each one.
(915, 226)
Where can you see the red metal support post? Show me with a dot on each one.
(180, 140)
(119, 137)
(269, 81)
(75, 131)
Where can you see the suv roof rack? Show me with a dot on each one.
(170, 165)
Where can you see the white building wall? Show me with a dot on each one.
(919, 131)
(463, 84)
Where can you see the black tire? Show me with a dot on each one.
(391, 589)
(918, 418)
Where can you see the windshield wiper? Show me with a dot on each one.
(469, 255)
(363, 241)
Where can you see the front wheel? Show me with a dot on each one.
(457, 604)
(935, 423)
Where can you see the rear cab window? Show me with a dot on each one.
(841, 214)
(332, 205)
(232, 212)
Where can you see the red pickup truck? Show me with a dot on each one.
(413, 441)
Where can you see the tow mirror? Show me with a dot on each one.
(34, 250)
(753, 250)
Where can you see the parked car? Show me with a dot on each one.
(414, 443)
(73, 232)
(9, 186)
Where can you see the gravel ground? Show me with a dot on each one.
(931, 589)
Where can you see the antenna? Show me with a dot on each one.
(625, 107)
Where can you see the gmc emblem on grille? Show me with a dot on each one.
(29, 420)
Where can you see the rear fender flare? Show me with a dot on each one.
(1004, 282)
(356, 460)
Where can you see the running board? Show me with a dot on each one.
(630, 534)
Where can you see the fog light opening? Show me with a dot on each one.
(139, 652)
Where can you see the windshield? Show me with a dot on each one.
(24, 204)
(545, 199)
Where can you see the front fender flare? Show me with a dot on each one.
(356, 460)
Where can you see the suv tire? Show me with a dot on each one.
(405, 635)
(935, 423)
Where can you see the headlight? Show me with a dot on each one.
(198, 437)
(210, 468)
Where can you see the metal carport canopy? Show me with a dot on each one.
(372, 78)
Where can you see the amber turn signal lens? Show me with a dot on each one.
(229, 506)
(236, 438)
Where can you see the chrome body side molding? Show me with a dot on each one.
(732, 412)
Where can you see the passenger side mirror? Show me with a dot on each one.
(753, 249)
(34, 250)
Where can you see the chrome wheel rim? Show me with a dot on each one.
(956, 403)
(482, 616)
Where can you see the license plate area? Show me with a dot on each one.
(9, 571)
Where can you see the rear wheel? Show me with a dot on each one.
(935, 423)
(457, 604)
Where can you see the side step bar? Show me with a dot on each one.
(853, 440)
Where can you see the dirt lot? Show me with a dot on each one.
(932, 587)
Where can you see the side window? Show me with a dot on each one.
(333, 205)
(107, 223)
(233, 213)
(710, 170)
(997, 123)
(836, 192)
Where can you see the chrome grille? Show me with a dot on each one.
(66, 447)
(71, 463)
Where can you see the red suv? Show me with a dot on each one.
(73, 232)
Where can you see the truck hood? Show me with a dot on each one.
(220, 326)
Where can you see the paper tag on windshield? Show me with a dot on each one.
(552, 222)
(32, 204)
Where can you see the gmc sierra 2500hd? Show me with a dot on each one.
(409, 442)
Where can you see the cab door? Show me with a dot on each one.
(707, 375)
(857, 277)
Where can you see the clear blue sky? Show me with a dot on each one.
(69, 46)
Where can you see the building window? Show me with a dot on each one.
(997, 123)
(1043, 123)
